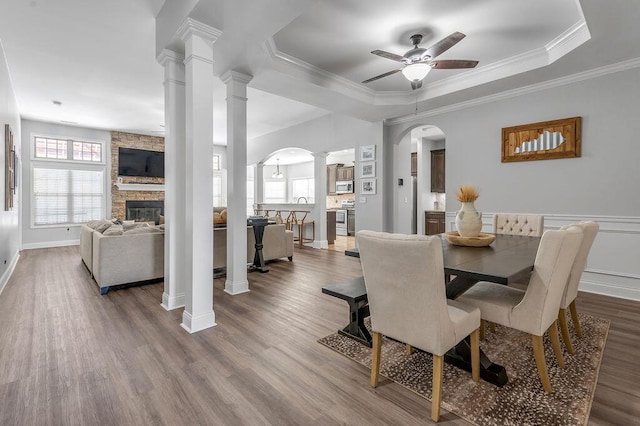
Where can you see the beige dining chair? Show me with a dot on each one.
(531, 225)
(404, 278)
(589, 231)
(535, 310)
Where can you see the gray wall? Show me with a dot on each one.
(9, 220)
(56, 235)
(601, 185)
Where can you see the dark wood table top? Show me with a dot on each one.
(508, 257)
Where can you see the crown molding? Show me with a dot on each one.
(295, 66)
(168, 55)
(235, 76)
(585, 75)
(573, 37)
(192, 27)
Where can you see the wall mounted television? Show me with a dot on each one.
(140, 162)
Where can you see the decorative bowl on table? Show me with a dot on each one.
(482, 240)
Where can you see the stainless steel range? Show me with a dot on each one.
(342, 217)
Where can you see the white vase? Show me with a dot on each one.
(468, 220)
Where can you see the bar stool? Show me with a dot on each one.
(297, 219)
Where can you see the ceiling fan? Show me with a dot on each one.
(419, 61)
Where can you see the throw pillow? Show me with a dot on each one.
(113, 230)
(133, 225)
(223, 215)
(100, 223)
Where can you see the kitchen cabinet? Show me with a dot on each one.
(331, 178)
(414, 164)
(437, 170)
(434, 222)
(344, 173)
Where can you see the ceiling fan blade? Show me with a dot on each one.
(444, 44)
(388, 55)
(452, 63)
(381, 75)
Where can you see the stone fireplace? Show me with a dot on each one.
(144, 210)
(136, 190)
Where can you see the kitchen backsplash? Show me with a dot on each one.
(335, 201)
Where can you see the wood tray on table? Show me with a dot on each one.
(482, 240)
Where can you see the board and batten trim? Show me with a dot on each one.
(622, 284)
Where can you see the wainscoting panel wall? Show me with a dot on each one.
(613, 267)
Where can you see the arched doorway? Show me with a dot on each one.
(413, 194)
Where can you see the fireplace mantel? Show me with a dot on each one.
(140, 186)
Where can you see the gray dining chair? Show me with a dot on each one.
(589, 231)
(404, 278)
(535, 310)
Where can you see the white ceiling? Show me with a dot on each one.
(307, 57)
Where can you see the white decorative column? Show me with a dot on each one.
(198, 42)
(320, 193)
(174, 171)
(258, 179)
(236, 82)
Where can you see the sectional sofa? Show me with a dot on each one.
(121, 254)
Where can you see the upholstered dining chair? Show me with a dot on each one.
(589, 231)
(404, 278)
(535, 310)
(531, 225)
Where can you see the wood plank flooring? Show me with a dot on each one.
(71, 356)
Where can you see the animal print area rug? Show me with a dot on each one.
(522, 401)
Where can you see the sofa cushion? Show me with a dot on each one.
(113, 230)
(133, 225)
(99, 225)
(143, 230)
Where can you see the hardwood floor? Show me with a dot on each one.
(69, 355)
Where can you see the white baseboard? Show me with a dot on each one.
(31, 246)
(171, 303)
(236, 287)
(321, 244)
(7, 274)
(201, 322)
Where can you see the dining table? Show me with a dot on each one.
(508, 259)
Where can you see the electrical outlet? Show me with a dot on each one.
(362, 200)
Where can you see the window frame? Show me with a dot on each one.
(66, 164)
(70, 141)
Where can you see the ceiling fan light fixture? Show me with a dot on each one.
(416, 72)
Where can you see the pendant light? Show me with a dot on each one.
(277, 174)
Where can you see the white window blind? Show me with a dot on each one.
(250, 189)
(302, 187)
(275, 191)
(219, 188)
(67, 196)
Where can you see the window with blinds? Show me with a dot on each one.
(302, 187)
(67, 196)
(275, 191)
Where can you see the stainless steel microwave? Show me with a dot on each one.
(344, 187)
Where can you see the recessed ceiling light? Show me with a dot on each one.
(57, 103)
